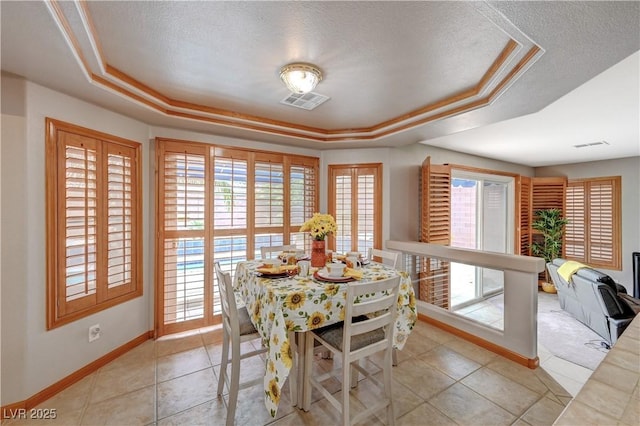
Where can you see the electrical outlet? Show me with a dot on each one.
(94, 332)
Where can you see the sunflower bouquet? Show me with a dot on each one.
(319, 226)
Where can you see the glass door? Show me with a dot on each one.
(481, 218)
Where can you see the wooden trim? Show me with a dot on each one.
(56, 10)
(76, 376)
(51, 213)
(120, 82)
(157, 240)
(480, 170)
(377, 216)
(230, 151)
(515, 70)
(499, 350)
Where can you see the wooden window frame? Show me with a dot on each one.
(333, 170)
(615, 262)
(249, 230)
(59, 310)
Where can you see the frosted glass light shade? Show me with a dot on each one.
(300, 78)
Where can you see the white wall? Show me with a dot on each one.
(13, 312)
(629, 170)
(34, 358)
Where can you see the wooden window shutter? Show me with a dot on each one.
(94, 246)
(183, 200)
(602, 224)
(355, 200)
(269, 190)
(575, 246)
(303, 200)
(593, 232)
(546, 193)
(121, 219)
(78, 222)
(435, 286)
(436, 203)
(523, 225)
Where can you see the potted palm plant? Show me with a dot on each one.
(550, 224)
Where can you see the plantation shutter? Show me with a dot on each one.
(78, 221)
(220, 204)
(269, 185)
(303, 199)
(183, 199)
(368, 202)
(575, 246)
(593, 233)
(355, 200)
(523, 226)
(435, 286)
(93, 222)
(601, 222)
(121, 221)
(342, 183)
(548, 193)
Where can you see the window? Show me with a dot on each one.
(355, 200)
(221, 204)
(593, 232)
(94, 245)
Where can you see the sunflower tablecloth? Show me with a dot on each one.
(292, 304)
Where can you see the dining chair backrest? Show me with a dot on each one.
(267, 251)
(381, 307)
(227, 300)
(389, 258)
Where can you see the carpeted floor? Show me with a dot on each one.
(564, 336)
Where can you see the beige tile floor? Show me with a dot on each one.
(440, 379)
(570, 376)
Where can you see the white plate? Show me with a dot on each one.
(323, 274)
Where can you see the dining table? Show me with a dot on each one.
(283, 307)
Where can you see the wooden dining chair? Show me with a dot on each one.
(389, 258)
(237, 328)
(267, 251)
(357, 337)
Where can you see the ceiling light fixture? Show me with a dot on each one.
(300, 77)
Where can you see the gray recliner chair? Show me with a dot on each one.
(596, 300)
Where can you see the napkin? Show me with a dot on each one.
(275, 270)
(353, 273)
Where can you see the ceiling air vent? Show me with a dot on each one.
(306, 101)
(584, 145)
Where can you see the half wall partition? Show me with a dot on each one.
(517, 339)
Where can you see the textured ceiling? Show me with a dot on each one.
(396, 72)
